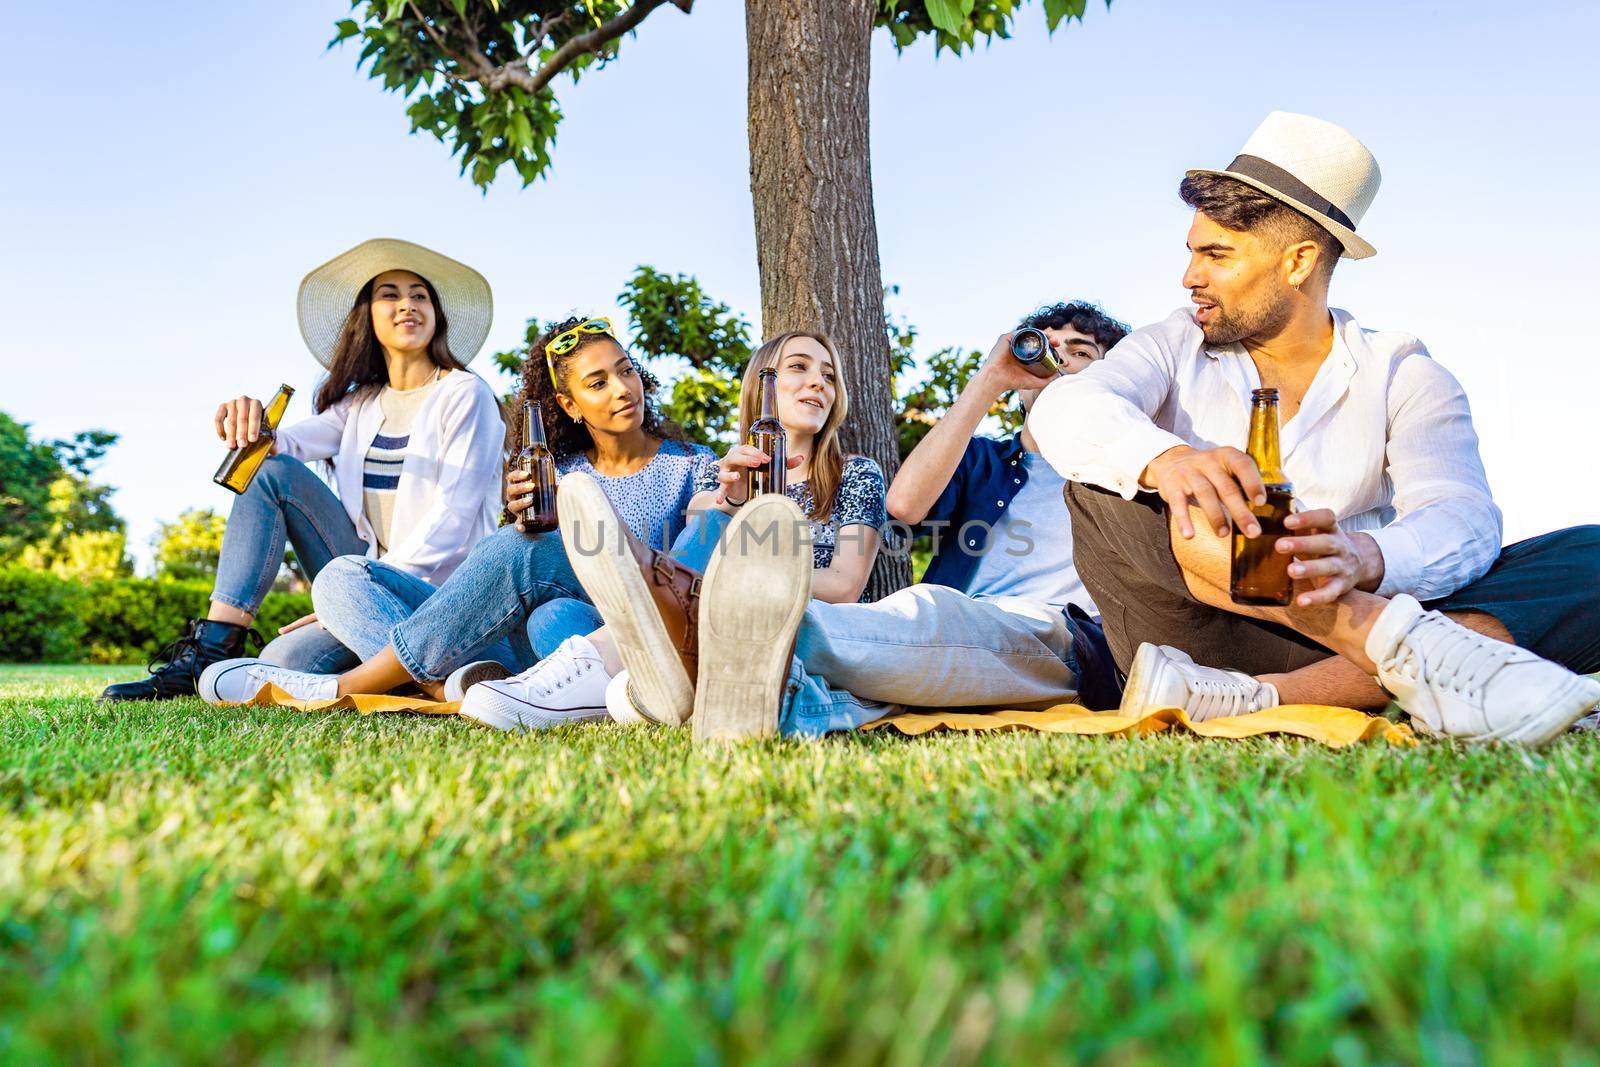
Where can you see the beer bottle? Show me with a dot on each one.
(240, 465)
(536, 461)
(1260, 572)
(767, 434)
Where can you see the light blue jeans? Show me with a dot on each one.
(482, 611)
(933, 646)
(286, 503)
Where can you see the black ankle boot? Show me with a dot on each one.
(203, 643)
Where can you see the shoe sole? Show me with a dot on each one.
(618, 591)
(508, 714)
(751, 604)
(1575, 701)
(463, 678)
(1147, 662)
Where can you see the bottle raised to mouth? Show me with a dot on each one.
(240, 465)
(536, 460)
(1260, 573)
(768, 435)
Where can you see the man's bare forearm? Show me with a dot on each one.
(929, 467)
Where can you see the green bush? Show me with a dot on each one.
(45, 619)
(41, 617)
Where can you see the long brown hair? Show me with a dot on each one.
(566, 436)
(827, 459)
(358, 361)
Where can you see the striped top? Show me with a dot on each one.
(380, 472)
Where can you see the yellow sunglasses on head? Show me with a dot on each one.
(567, 340)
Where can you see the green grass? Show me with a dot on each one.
(182, 884)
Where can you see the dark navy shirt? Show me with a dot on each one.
(987, 479)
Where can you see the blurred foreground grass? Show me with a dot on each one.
(179, 883)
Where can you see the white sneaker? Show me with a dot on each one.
(234, 681)
(463, 678)
(1165, 677)
(1459, 683)
(619, 703)
(567, 686)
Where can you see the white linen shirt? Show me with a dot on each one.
(1383, 437)
(448, 498)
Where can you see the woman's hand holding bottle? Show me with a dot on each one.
(519, 495)
(238, 422)
(733, 471)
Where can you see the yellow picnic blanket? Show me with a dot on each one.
(1334, 727)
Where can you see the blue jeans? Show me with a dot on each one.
(285, 503)
(480, 612)
(931, 646)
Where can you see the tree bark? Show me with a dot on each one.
(811, 183)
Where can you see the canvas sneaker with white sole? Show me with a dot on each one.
(568, 686)
(620, 706)
(465, 677)
(1459, 683)
(235, 681)
(1165, 677)
(751, 605)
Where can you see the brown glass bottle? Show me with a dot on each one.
(240, 465)
(767, 434)
(1260, 572)
(536, 461)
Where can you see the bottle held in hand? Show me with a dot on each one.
(240, 465)
(1260, 571)
(536, 461)
(767, 434)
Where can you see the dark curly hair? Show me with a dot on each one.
(1080, 315)
(565, 436)
(1232, 204)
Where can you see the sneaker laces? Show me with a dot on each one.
(1457, 659)
(557, 672)
(1216, 698)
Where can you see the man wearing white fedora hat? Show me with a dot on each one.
(1397, 547)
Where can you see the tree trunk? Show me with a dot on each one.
(811, 182)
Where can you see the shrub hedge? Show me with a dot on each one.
(45, 619)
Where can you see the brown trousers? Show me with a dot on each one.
(1123, 552)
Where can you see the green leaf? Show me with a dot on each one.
(947, 15)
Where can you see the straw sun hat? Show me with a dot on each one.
(1315, 167)
(328, 293)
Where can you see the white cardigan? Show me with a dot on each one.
(449, 493)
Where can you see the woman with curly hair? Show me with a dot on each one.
(600, 418)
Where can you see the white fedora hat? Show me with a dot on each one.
(328, 293)
(1315, 167)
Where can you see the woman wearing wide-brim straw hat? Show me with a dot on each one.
(414, 437)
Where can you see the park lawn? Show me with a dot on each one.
(184, 884)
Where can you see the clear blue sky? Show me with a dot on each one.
(170, 172)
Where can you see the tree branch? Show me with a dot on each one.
(585, 43)
(478, 63)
